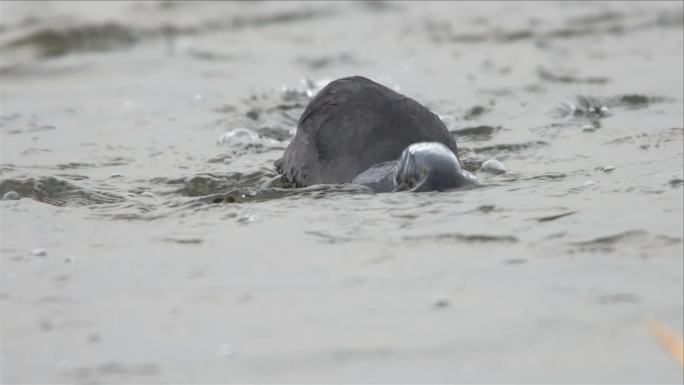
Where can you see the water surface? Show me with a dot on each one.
(154, 242)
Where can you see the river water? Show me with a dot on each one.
(153, 241)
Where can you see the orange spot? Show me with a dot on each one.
(670, 341)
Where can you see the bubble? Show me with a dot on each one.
(11, 196)
(38, 252)
(240, 137)
(493, 166)
(246, 219)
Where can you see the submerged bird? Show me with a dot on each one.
(358, 131)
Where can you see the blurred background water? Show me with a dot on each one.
(146, 236)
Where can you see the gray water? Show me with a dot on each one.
(152, 242)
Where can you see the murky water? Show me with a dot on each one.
(153, 240)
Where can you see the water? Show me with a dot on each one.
(141, 138)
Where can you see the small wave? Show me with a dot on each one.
(251, 195)
(331, 238)
(550, 218)
(74, 165)
(476, 133)
(237, 187)
(55, 42)
(51, 42)
(634, 101)
(56, 191)
(638, 239)
(107, 371)
(507, 147)
(129, 211)
(468, 238)
(322, 62)
(264, 20)
(557, 77)
(181, 193)
(591, 26)
(208, 184)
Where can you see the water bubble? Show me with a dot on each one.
(11, 196)
(245, 219)
(38, 252)
(240, 137)
(469, 175)
(147, 194)
(607, 169)
(116, 175)
(493, 166)
(590, 183)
